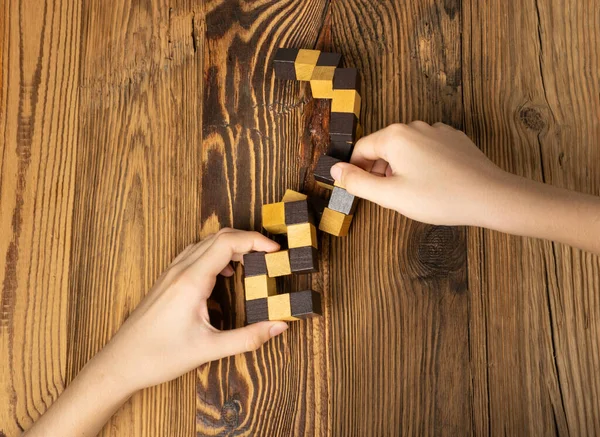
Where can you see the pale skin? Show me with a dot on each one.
(434, 174)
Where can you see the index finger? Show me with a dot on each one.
(227, 247)
(374, 147)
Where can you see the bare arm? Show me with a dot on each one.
(435, 174)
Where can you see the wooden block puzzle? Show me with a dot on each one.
(342, 201)
(335, 223)
(297, 214)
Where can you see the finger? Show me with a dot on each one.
(227, 271)
(368, 186)
(443, 126)
(185, 252)
(420, 126)
(230, 246)
(246, 339)
(382, 144)
(379, 167)
(202, 246)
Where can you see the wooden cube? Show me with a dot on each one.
(283, 63)
(346, 79)
(329, 59)
(297, 212)
(321, 82)
(342, 126)
(259, 287)
(273, 218)
(318, 205)
(305, 304)
(335, 223)
(323, 170)
(255, 264)
(293, 196)
(280, 307)
(304, 234)
(305, 63)
(304, 259)
(346, 101)
(342, 201)
(341, 150)
(257, 310)
(278, 263)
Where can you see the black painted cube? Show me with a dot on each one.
(283, 63)
(257, 310)
(346, 79)
(341, 150)
(305, 304)
(297, 212)
(255, 264)
(323, 169)
(304, 260)
(329, 59)
(342, 126)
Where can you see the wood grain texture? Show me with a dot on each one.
(266, 125)
(39, 52)
(130, 129)
(399, 300)
(137, 200)
(531, 103)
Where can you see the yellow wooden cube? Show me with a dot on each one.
(305, 63)
(346, 101)
(273, 218)
(302, 235)
(335, 223)
(280, 308)
(293, 196)
(278, 263)
(321, 82)
(258, 287)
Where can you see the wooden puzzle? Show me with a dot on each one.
(298, 215)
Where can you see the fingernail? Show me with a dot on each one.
(336, 172)
(277, 329)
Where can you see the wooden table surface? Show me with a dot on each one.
(131, 129)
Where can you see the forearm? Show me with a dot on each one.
(86, 405)
(529, 208)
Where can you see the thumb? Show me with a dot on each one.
(248, 338)
(363, 184)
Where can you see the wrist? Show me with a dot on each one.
(105, 371)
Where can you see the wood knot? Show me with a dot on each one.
(532, 119)
(230, 412)
(437, 251)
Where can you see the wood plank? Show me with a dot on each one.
(39, 52)
(257, 143)
(530, 73)
(137, 200)
(399, 298)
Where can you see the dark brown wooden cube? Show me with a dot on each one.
(346, 79)
(341, 150)
(318, 205)
(305, 304)
(297, 212)
(255, 264)
(329, 59)
(257, 310)
(304, 260)
(283, 63)
(342, 126)
(323, 169)
(342, 201)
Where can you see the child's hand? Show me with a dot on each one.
(169, 333)
(434, 174)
